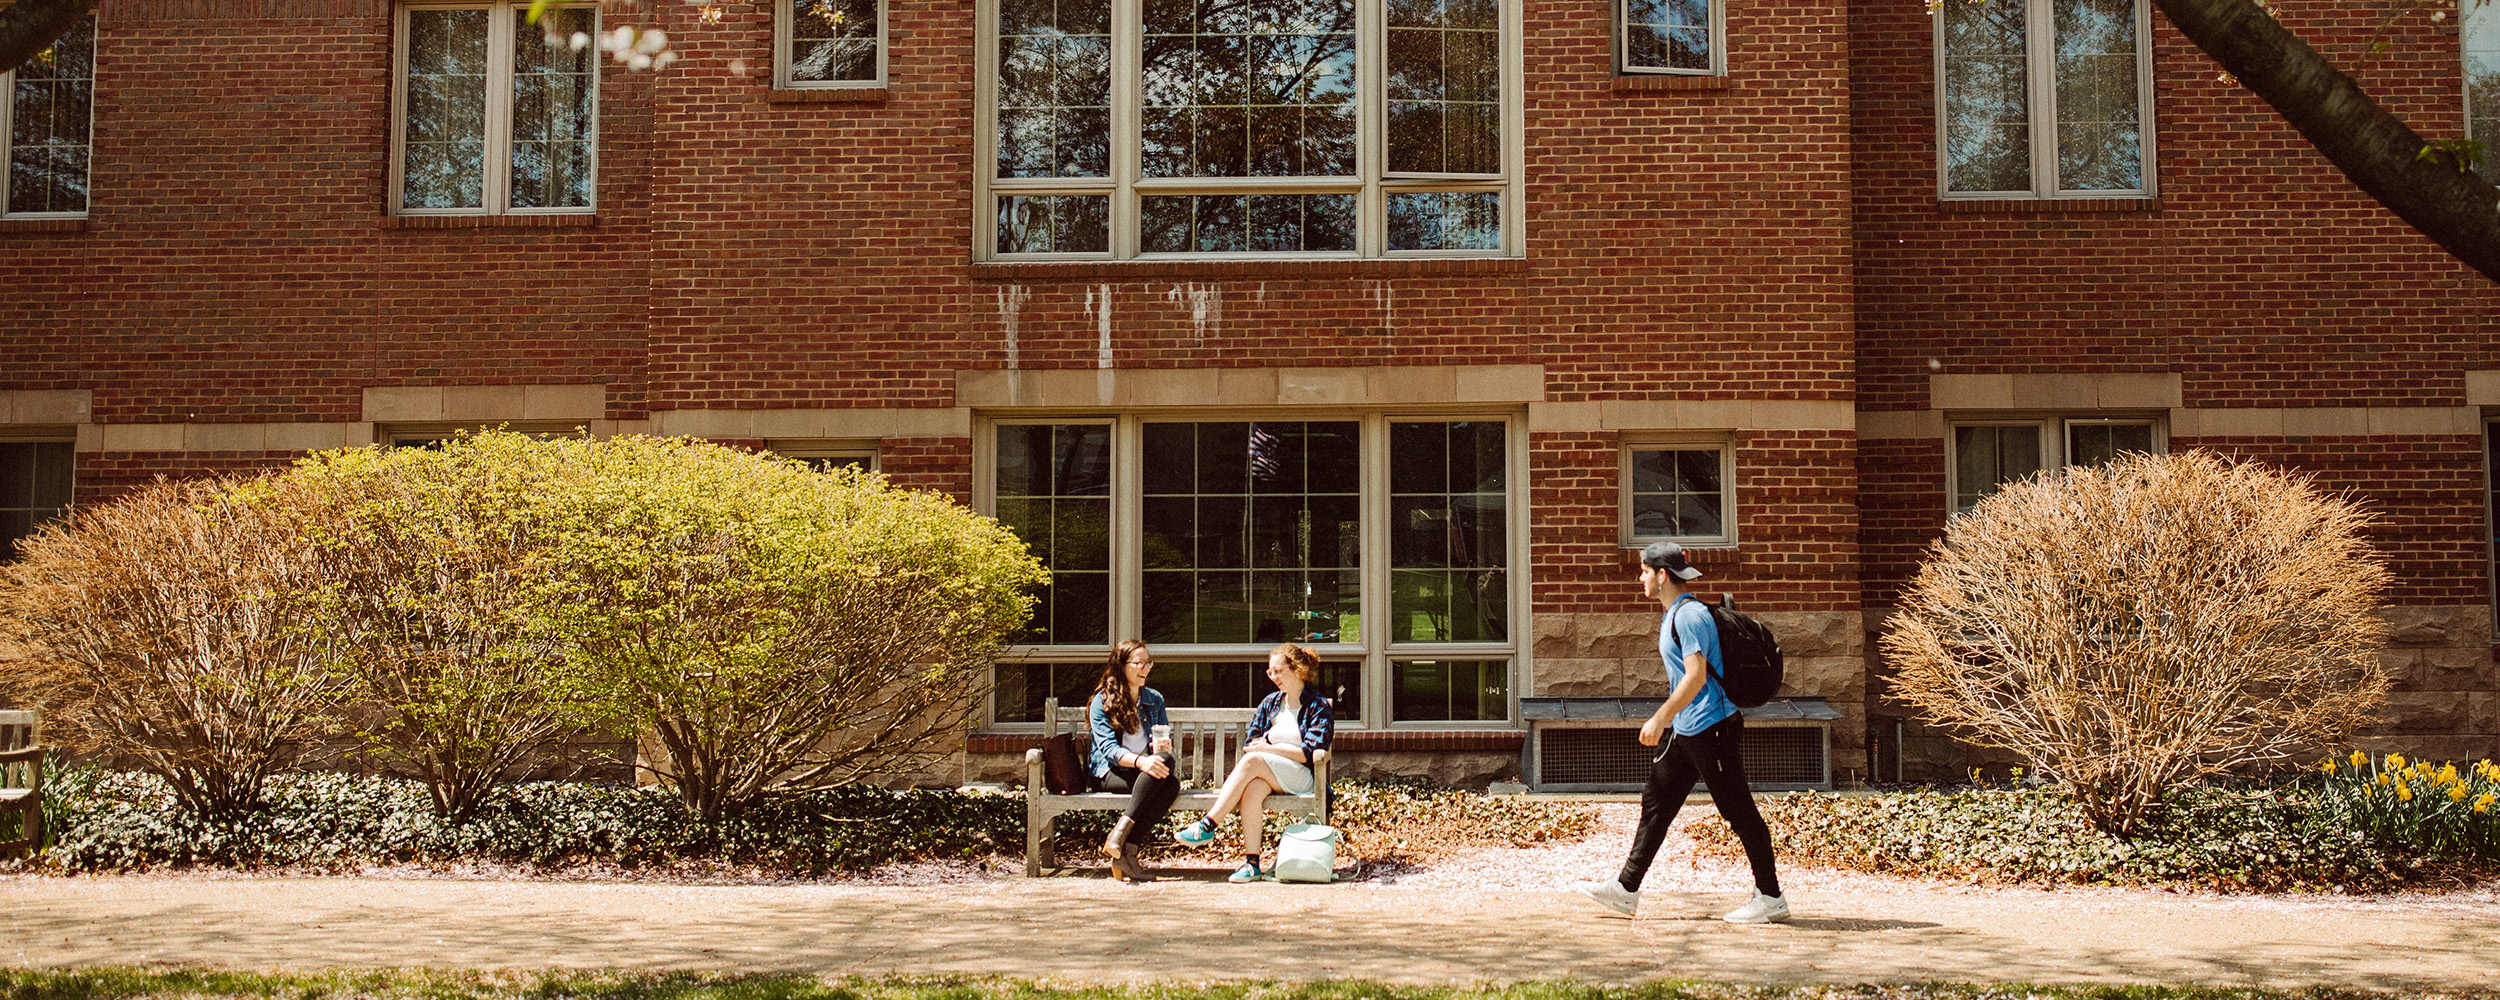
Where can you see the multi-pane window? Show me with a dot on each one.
(1253, 531)
(46, 120)
(2482, 74)
(1129, 128)
(2043, 98)
(1384, 544)
(1054, 490)
(1669, 36)
(1678, 492)
(496, 115)
(35, 480)
(1988, 455)
(829, 43)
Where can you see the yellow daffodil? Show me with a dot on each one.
(2484, 804)
(2395, 761)
(2384, 778)
(2359, 758)
(2404, 793)
(2327, 765)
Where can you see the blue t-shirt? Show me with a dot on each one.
(1687, 627)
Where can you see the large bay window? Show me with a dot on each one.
(1384, 542)
(1280, 128)
(2044, 98)
(46, 115)
(495, 115)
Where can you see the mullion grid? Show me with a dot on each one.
(1210, 543)
(55, 155)
(496, 164)
(1467, 214)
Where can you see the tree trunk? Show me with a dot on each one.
(2457, 209)
(30, 26)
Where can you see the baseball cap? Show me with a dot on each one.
(1670, 557)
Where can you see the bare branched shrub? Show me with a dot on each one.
(437, 559)
(177, 628)
(2145, 623)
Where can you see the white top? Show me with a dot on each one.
(1283, 730)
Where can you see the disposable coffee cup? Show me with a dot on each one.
(1159, 738)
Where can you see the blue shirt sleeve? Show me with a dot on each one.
(1106, 746)
(1695, 633)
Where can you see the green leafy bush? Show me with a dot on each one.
(2265, 839)
(122, 820)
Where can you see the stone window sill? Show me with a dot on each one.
(579, 219)
(1635, 82)
(1127, 269)
(2046, 206)
(825, 95)
(43, 225)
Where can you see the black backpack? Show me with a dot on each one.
(1750, 663)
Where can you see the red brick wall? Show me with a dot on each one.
(1797, 525)
(103, 476)
(2261, 277)
(237, 264)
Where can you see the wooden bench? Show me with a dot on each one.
(1205, 740)
(21, 779)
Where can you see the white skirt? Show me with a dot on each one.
(1293, 777)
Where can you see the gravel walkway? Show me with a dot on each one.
(1494, 915)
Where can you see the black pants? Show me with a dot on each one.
(1715, 757)
(1149, 796)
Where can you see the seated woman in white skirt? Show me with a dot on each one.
(1290, 726)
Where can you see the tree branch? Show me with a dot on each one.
(28, 27)
(2455, 208)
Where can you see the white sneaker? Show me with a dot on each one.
(1760, 909)
(1610, 894)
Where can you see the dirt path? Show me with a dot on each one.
(1492, 916)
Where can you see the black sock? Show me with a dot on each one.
(1252, 858)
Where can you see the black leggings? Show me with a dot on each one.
(1716, 758)
(1149, 796)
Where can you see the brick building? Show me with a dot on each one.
(1390, 326)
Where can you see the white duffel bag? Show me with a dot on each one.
(1307, 852)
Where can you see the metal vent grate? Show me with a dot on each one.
(1612, 758)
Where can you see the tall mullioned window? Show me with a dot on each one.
(46, 122)
(1386, 544)
(2481, 31)
(1136, 128)
(2044, 98)
(496, 115)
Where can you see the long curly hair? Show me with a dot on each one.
(1119, 704)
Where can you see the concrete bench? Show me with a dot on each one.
(21, 779)
(1206, 741)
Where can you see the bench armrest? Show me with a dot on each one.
(33, 753)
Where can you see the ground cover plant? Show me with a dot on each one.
(420, 984)
(105, 820)
(2358, 824)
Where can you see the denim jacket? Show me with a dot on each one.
(1317, 720)
(1106, 748)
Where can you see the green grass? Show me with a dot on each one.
(422, 984)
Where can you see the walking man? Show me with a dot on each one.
(1703, 736)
